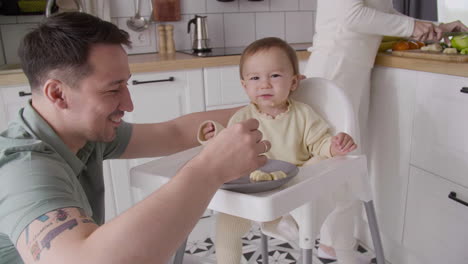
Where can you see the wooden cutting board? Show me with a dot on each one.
(431, 55)
(166, 10)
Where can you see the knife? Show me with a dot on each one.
(448, 34)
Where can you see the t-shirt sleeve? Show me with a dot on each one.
(32, 187)
(116, 147)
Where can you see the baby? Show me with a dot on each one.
(269, 73)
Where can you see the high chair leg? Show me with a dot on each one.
(374, 230)
(264, 248)
(306, 256)
(179, 256)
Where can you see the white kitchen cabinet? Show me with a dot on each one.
(417, 147)
(223, 88)
(435, 226)
(155, 102)
(389, 141)
(440, 141)
(435, 230)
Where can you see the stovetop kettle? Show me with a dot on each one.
(200, 40)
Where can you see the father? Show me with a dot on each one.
(51, 184)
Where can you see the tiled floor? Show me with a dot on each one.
(200, 247)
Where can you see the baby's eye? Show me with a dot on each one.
(254, 78)
(275, 75)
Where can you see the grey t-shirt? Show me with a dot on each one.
(39, 174)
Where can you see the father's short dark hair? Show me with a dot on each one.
(61, 44)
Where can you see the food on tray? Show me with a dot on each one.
(259, 175)
(450, 51)
(277, 175)
(464, 51)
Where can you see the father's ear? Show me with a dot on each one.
(54, 92)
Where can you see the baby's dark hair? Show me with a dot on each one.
(61, 44)
(268, 43)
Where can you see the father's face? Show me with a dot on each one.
(99, 103)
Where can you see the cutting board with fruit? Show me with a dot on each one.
(435, 51)
(431, 55)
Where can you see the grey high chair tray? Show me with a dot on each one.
(244, 185)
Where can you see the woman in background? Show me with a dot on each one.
(348, 35)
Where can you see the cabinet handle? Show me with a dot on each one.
(170, 79)
(453, 196)
(21, 93)
(464, 90)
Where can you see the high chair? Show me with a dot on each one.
(301, 192)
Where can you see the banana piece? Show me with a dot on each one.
(259, 175)
(276, 175)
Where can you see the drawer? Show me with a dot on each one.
(435, 226)
(440, 141)
(178, 93)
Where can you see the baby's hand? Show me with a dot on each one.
(208, 130)
(342, 144)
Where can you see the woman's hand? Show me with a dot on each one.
(341, 144)
(455, 26)
(424, 31)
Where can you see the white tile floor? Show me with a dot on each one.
(201, 250)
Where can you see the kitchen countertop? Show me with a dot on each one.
(154, 62)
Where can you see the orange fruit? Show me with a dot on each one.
(413, 45)
(401, 45)
(420, 44)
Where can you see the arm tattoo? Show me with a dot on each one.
(53, 224)
(57, 231)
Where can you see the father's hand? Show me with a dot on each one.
(236, 151)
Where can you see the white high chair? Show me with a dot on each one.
(300, 193)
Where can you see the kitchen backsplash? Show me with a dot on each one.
(230, 24)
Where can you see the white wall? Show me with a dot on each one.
(230, 24)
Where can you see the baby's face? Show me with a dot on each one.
(269, 78)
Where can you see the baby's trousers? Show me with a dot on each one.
(229, 232)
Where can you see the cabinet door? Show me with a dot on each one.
(389, 141)
(440, 141)
(12, 99)
(435, 226)
(223, 87)
(155, 102)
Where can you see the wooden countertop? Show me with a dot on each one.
(155, 62)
